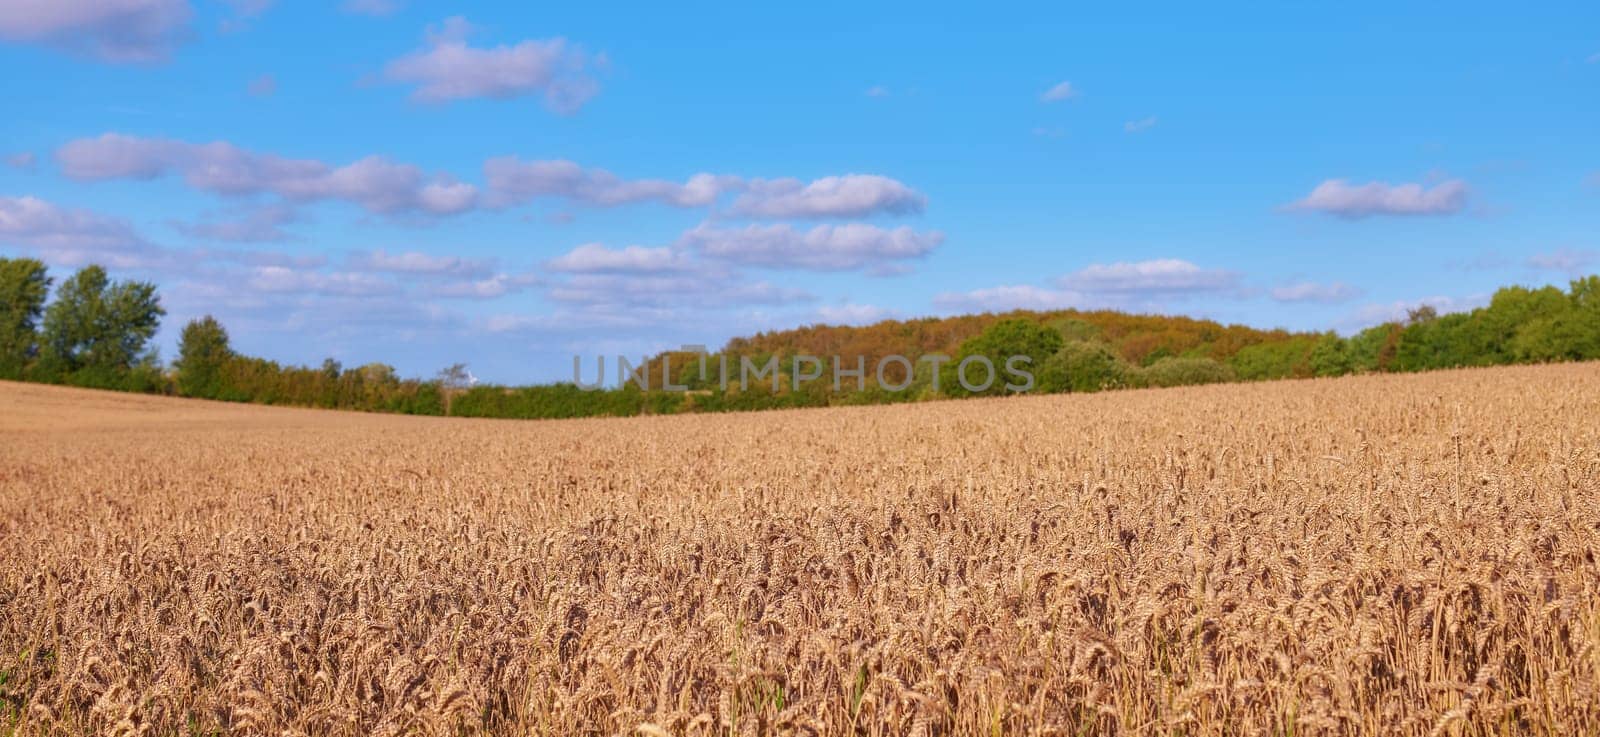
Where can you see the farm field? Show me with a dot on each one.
(1390, 554)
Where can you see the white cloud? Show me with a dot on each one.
(822, 248)
(375, 183)
(69, 236)
(111, 30)
(510, 180)
(384, 186)
(416, 263)
(1011, 297)
(1568, 260)
(1058, 92)
(1139, 126)
(24, 160)
(1314, 292)
(1594, 58)
(854, 314)
(1343, 199)
(596, 258)
(448, 69)
(288, 279)
(1164, 276)
(491, 287)
(877, 91)
(851, 195)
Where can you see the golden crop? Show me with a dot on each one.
(1369, 555)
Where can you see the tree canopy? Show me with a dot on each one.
(24, 286)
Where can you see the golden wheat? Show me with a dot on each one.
(1409, 555)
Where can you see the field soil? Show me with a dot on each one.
(1394, 554)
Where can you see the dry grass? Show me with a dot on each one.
(1397, 554)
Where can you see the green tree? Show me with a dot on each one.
(202, 352)
(1331, 356)
(1000, 344)
(1374, 349)
(99, 326)
(1083, 366)
(1436, 342)
(1509, 311)
(1585, 293)
(24, 286)
(1278, 359)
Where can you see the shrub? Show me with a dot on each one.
(1083, 366)
(1185, 372)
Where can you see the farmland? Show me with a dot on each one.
(1381, 554)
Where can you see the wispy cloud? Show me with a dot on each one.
(263, 86)
(447, 69)
(678, 292)
(304, 281)
(1010, 297)
(854, 314)
(416, 263)
(510, 181)
(1123, 285)
(24, 160)
(1566, 260)
(374, 183)
(851, 195)
(1340, 198)
(1156, 276)
(596, 258)
(1058, 92)
(253, 224)
(1329, 293)
(822, 248)
(877, 90)
(1139, 126)
(370, 7)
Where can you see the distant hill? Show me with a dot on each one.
(1138, 339)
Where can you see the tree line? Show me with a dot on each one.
(96, 332)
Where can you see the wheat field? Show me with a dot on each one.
(1409, 555)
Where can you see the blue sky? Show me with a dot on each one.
(425, 183)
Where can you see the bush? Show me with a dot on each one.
(1083, 366)
(1184, 372)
